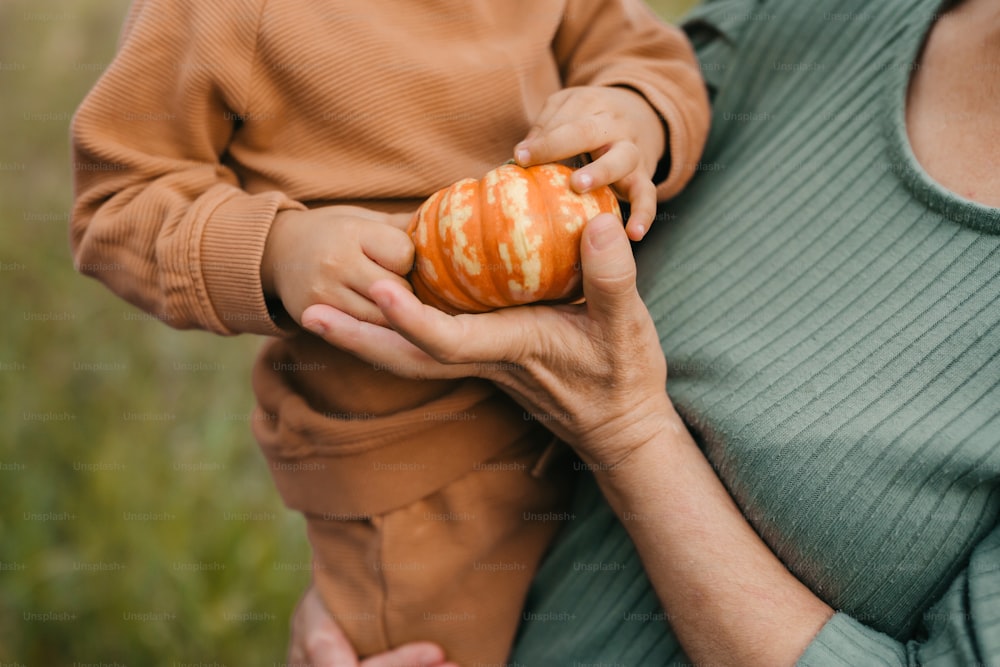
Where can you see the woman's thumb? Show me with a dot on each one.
(608, 266)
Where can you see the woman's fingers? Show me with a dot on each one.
(316, 640)
(423, 341)
(418, 654)
(377, 344)
(360, 307)
(609, 273)
(353, 296)
(464, 340)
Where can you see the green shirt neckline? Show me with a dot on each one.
(903, 162)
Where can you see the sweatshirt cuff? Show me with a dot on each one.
(232, 247)
(845, 642)
(686, 129)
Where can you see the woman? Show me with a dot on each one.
(821, 481)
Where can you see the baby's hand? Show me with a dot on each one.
(332, 255)
(619, 129)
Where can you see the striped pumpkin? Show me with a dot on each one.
(510, 238)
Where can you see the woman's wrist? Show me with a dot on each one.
(270, 264)
(697, 546)
(618, 451)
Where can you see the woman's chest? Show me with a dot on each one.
(840, 364)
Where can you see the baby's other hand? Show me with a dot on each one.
(622, 133)
(332, 255)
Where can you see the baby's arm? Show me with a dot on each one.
(157, 216)
(634, 99)
(163, 220)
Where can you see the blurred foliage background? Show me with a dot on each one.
(138, 521)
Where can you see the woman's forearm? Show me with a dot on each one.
(726, 595)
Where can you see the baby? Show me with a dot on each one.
(243, 160)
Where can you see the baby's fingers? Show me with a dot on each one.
(611, 167)
(641, 195)
(562, 141)
(389, 247)
(359, 307)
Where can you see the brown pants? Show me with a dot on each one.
(426, 524)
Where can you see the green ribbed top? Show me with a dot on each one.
(831, 321)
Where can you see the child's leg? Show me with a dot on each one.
(453, 568)
(426, 522)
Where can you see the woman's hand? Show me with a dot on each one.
(593, 373)
(618, 128)
(317, 641)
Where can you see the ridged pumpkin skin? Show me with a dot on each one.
(510, 238)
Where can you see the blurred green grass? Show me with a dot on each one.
(138, 521)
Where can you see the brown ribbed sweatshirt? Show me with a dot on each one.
(214, 116)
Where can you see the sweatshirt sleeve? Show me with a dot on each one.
(158, 216)
(622, 43)
(962, 628)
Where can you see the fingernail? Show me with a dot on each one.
(522, 155)
(603, 236)
(585, 181)
(315, 326)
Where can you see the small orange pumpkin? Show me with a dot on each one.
(510, 238)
